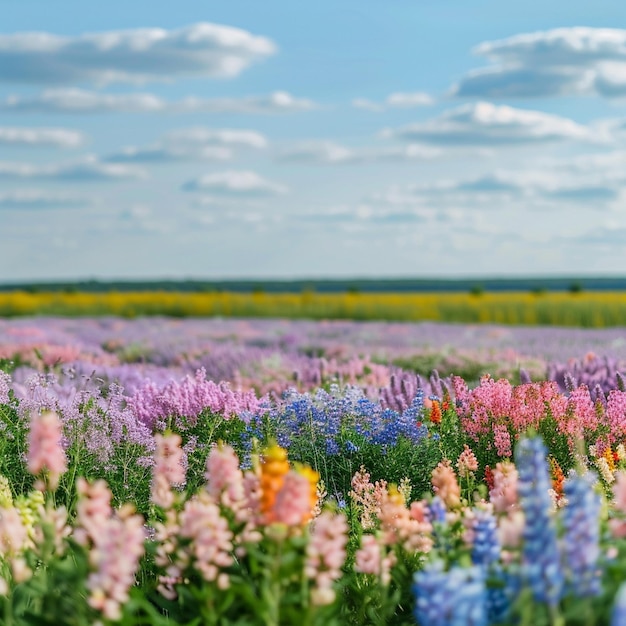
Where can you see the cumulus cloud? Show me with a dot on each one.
(87, 170)
(34, 199)
(330, 153)
(80, 101)
(192, 144)
(485, 124)
(235, 182)
(140, 55)
(398, 100)
(558, 62)
(56, 137)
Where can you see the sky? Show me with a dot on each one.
(206, 139)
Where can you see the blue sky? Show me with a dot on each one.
(277, 139)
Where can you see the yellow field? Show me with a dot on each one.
(589, 309)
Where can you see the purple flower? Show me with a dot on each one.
(540, 554)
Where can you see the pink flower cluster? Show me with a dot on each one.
(499, 408)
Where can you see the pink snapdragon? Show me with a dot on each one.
(168, 469)
(372, 557)
(503, 495)
(293, 502)
(224, 478)
(115, 556)
(93, 509)
(211, 538)
(325, 555)
(445, 484)
(44, 448)
(368, 497)
(467, 463)
(401, 525)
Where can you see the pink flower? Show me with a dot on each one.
(407, 527)
(616, 414)
(224, 478)
(93, 509)
(503, 496)
(367, 497)
(467, 462)
(44, 447)
(168, 469)
(115, 556)
(325, 555)
(502, 440)
(445, 484)
(211, 538)
(13, 533)
(293, 502)
(369, 559)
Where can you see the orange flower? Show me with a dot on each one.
(557, 476)
(274, 467)
(610, 459)
(435, 412)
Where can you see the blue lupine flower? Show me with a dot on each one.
(618, 615)
(503, 587)
(486, 546)
(542, 569)
(453, 598)
(581, 520)
(350, 447)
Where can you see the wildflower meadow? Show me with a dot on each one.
(138, 487)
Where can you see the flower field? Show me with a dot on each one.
(165, 472)
(592, 309)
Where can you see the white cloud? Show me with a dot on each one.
(38, 199)
(558, 62)
(81, 101)
(527, 189)
(397, 100)
(137, 56)
(192, 144)
(330, 153)
(57, 137)
(365, 214)
(235, 182)
(485, 124)
(86, 170)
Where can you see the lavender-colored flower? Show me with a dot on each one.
(453, 598)
(542, 569)
(436, 511)
(581, 520)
